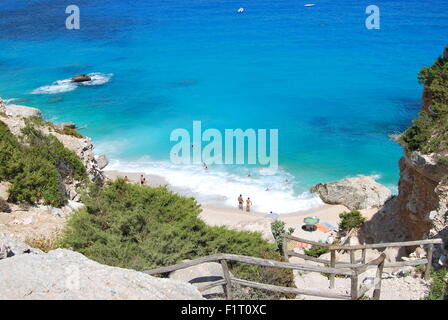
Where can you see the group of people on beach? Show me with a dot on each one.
(143, 180)
(241, 203)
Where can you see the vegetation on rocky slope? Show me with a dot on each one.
(141, 228)
(350, 220)
(429, 133)
(36, 165)
(439, 285)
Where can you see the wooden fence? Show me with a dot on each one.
(333, 263)
(353, 272)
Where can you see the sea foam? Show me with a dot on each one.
(67, 85)
(268, 192)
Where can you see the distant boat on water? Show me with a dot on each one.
(240, 10)
(309, 5)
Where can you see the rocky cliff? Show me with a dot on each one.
(422, 202)
(14, 117)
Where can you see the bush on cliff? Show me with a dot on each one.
(36, 166)
(439, 285)
(10, 153)
(429, 133)
(142, 228)
(350, 220)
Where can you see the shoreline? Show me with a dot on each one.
(220, 214)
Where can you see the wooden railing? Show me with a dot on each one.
(361, 262)
(352, 271)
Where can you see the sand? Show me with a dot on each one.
(220, 215)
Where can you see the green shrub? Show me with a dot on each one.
(316, 251)
(429, 133)
(10, 153)
(70, 132)
(350, 220)
(439, 285)
(278, 228)
(37, 166)
(129, 226)
(443, 160)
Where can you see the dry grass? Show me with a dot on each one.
(44, 243)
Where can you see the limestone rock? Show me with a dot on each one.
(201, 275)
(101, 161)
(4, 206)
(17, 111)
(10, 247)
(4, 186)
(355, 193)
(422, 202)
(67, 275)
(64, 125)
(261, 225)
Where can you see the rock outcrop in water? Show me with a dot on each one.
(81, 78)
(354, 193)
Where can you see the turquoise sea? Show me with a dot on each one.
(334, 89)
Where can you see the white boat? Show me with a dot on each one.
(240, 10)
(309, 5)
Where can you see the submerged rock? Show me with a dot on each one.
(355, 193)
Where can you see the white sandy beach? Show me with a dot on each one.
(220, 215)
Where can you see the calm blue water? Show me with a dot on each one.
(334, 89)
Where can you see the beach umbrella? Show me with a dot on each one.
(311, 220)
(273, 216)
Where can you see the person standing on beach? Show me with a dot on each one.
(126, 179)
(248, 204)
(142, 180)
(240, 202)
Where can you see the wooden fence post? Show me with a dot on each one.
(225, 271)
(352, 257)
(354, 285)
(333, 265)
(378, 278)
(429, 264)
(285, 248)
